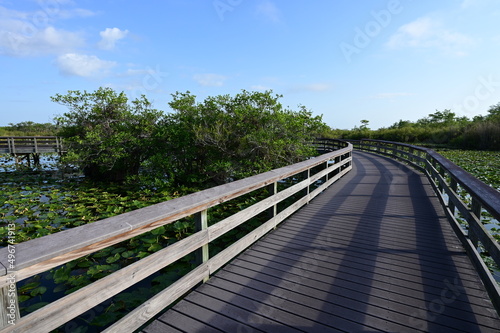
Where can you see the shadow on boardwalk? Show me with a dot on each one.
(373, 253)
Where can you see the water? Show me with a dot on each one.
(48, 162)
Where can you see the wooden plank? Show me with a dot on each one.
(41, 254)
(264, 317)
(9, 313)
(356, 258)
(350, 297)
(333, 316)
(64, 309)
(142, 314)
(189, 324)
(159, 326)
(226, 255)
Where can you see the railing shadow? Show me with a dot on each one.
(348, 262)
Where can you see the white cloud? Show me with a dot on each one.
(210, 80)
(26, 40)
(110, 36)
(270, 11)
(76, 12)
(83, 65)
(426, 33)
(314, 87)
(33, 33)
(467, 4)
(259, 87)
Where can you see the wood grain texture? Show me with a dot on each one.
(41, 254)
(374, 253)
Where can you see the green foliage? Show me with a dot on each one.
(108, 137)
(29, 128)
(482, 164)
(225, 138)
(439, 129)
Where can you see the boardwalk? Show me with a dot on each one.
(373, 253)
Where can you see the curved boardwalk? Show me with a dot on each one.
(373, 253)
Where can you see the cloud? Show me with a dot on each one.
(312, 87)
(427, 33)
(24, 33)
(259, 87)
(210, 80)
(76, 12)
(73, 64)
(26, 40)
(110, 36)
(467, 4)
(270, 11)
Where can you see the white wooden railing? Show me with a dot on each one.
(21, 261)
(465, 212)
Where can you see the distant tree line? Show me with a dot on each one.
(442, 129)
(222, 138)
(28, 128)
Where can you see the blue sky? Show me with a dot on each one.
(348, 60)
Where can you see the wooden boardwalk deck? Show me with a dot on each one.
(373, 253)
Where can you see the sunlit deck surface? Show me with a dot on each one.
(373, 253)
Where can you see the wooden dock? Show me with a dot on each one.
(26, 147)
(389, 237)
(373, 253)
(30, 144)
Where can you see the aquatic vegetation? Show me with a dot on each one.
(484, 165)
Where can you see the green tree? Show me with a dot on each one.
(494, 113)
(364, 125)
(108, 136)
(225, 138)
(30, 128)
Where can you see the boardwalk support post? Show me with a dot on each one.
(272, 189)
(201, 223)
(9, 313)
(453, 187)
(476, 210)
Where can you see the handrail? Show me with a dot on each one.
(41, 254)
(30, 144)
(447, 178)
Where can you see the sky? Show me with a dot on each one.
(347, 60)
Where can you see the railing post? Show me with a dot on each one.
(272, 189)
(307, 174)
(476, 211)
(201, 223)
(410, 155)
(9, 313)
(326, 167)
(441, 172)
(453, 186)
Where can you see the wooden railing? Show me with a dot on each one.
(42, 254)
(465, 212)
(30, 144)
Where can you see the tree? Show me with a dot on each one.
(494, 113)
(225, 138)
(29, 128)
(108, 137)
(364, 125)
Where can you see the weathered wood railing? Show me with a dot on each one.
(42, 254)
(24, 147)
(464, 213)
(30, 144)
